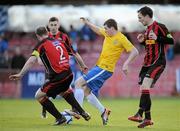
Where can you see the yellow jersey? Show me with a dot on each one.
(112, 49)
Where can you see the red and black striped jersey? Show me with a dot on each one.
(53, 55)
(155, 49)
(64, 37)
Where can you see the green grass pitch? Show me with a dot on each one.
(24, 115)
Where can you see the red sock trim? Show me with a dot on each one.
(145, 91)
(43, 99)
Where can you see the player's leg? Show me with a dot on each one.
(138, 116)
(79, 95)
(43, 111)
(68, 100)
(93, 100)
(49, 106)
(153, 75)
(80, 84)
(145, 101)
(95, 79)
(69, 97)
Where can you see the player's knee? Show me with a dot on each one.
(145, 87)
(87, 91)
(40, 98)
(146, 84)
(79, 83)
(36, 96)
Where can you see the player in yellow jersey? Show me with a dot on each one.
(115, 43)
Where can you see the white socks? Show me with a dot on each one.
(95, 102)
(79, 95)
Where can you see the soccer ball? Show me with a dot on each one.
(68, 117)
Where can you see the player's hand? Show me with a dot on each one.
(84, 69)
(15, 77)
(141, 38)
(152, 35)
(125, 68)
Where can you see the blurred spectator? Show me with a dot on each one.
(177, 47)
(73, 34)
(4, 60)
(4, 18)
(170, 53)
(87, 34)
(124, 31)
(18, 60)
(3, 44)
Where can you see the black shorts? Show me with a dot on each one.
(57, 84)
(153, 71)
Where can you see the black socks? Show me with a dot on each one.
(49, 106)
(69, 97)
(145, 104)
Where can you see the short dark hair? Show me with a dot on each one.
(41, 31)
(146, 11)
(111, 23)
(53, 19)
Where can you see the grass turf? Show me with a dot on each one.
(24, 115)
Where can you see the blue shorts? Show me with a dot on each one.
(95, 78)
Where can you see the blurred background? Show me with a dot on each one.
(18, 20)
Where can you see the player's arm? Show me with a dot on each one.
(95, 28)
(29, 63)
(167, 39)
(133, 53)
(76, 55)
(80, 62)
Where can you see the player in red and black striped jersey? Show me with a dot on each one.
(155, 39)
(55, 58)
(54, 33)
(53, 27)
